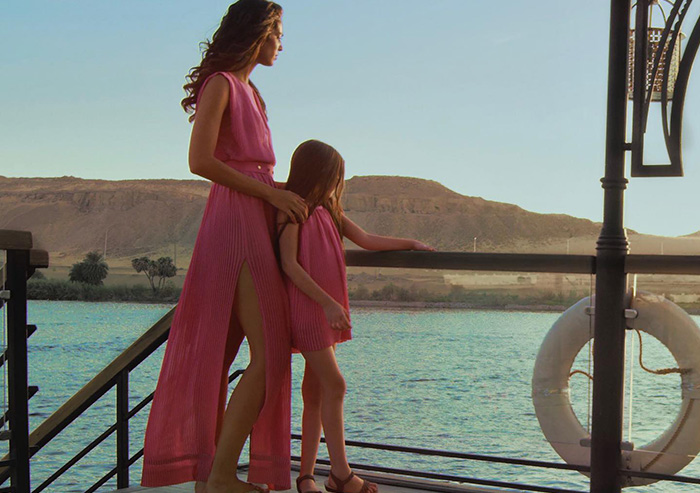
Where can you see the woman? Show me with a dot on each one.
(233, 286)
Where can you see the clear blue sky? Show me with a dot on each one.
(503, 100)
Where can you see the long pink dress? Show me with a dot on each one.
(321, 255)
(190, 398)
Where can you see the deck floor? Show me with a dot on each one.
(387, 484)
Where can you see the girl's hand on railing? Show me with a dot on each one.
(417, 245)
(290, 204)
(337, 316)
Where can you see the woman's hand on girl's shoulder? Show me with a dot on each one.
(290, 204)
(417, 245)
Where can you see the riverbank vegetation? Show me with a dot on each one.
(57, 290)
(459, 295)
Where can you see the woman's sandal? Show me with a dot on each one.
(304, 478)
(340, 484)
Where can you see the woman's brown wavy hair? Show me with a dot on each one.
(235, 45)
(317, 174)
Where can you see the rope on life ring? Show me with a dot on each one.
(669, 324)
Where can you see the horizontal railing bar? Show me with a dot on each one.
(102, 481)
(89, 448)
(460, 455)
(30, 330)
(510, 262)
(101, 383)
(660, 477)
(149, 397)
(144, 346)
(521, 262)
(663, 264)
(137, 357)
(235, 375)
(140, 406)
(104, 436)
(135, 457)
(449, 477)
(38, 259)
(113, 472)
(31, 392)
(15, 240)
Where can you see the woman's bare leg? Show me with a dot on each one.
(310, 427)
(247, 398)
(233, 344)
(325, 366)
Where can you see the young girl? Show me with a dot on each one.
(312, 257)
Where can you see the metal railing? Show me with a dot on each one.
(21, 261)
(116, 374)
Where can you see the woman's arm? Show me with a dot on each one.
(205, 132)
(368, 241)
(336, 314)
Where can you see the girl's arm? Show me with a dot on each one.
(205, 132)
(336, 314)
(368, 241)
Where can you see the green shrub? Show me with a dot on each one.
(91, 270)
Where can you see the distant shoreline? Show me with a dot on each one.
(53, 290)
(455, 305)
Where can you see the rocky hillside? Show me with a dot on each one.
(70, 216)
(427, 210)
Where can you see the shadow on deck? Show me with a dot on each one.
(387, 484)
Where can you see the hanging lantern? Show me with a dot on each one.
(654, 35)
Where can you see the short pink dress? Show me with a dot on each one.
(321, 255)
(191, 395)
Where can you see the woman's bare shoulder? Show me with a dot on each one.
(216, 85)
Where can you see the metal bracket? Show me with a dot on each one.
(625, 446)
(5, 294)
(631, 313)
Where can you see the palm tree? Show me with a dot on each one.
(92, 270)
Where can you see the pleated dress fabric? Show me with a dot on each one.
(321, 255)
(191, 394)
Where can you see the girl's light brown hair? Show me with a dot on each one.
(317, 174)
(235, 44)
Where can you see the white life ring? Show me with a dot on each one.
(678, 445)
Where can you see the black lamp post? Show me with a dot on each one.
(654, 74)
(608, 362)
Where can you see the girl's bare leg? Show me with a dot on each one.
(310, 427)
(333, 388)
(247, 398)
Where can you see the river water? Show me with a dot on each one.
(456, 380)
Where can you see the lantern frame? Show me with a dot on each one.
(673, 83)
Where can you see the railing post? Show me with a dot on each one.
(123, 429)
(18, 413)
(608, 362)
